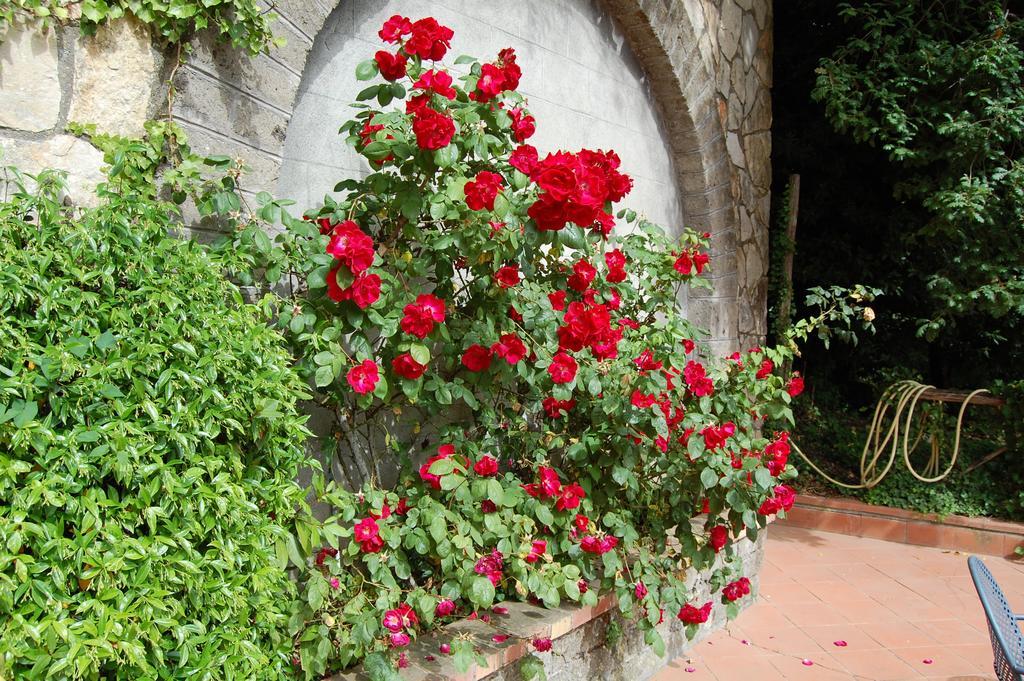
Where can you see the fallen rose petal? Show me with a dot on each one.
(927, 660)
(429, 658)
(499, 610)
(690, 670)
(745, 642)
(807, 663)
(499, 638)
(841, 644)
(444, 649)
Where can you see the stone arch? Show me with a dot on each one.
(690, 52)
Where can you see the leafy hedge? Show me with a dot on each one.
(149, 443)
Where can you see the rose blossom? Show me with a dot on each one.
(405, 366)
(766, 370)
(510, 348)
(395, 29)
(523, 124)
(542, 645)
(363, 377)
(399, 639)
(429, 39)
(433, 130)
(421, 315)
(562, 368)
(640, 591)
(537, 550)
(795, 385)
(482, 190)
(507, 276)
(436, 81)
(583, 274)
(392, 66)
(719, 537)
(486, 466)
(692, 615)
(555, 408)
(444, 607)
(351, 246)
(443, 452)
(476, 358)
(524, 158)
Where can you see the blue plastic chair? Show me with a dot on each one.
(1007, 641)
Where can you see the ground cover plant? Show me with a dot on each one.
(149, 444)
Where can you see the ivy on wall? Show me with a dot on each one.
(243, 23)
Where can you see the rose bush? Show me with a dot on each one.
(469, 272)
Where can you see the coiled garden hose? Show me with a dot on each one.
(902, 398)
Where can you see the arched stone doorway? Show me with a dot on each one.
(700, 68)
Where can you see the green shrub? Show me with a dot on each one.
(149, 443)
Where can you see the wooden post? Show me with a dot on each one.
(785, 317)
(786, 305)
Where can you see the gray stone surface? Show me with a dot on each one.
(78, 158)
(30, 89)
(117, 78)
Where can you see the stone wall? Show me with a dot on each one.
(581, 648)
(697, 74)
(113, 79)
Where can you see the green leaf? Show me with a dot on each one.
(366, 70)
(709, 478)
(481, 592)
(420, 353)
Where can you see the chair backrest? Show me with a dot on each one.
(1007, 641)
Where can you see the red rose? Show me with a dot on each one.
(642, 401)
(364, 290)
(429, 39)
(523, 124)
(476, 358)
(557, 300)
(509, 68)
(795, 385)
(716, 436)
(510, 348)
(554, 408)
(392, 66)
(719, 537)
(766, 370)
(616, 263)
(395, 29)
(583, 275)
(570, 497)
(683, 264)
(507, 276)
(640, 591)
(524, 159)
(482, 190)
(405, 366)
(351, 246)
(421, 316)
(490, 84)
(557, 180)
(736, 590)
(697, 380)
(542, 645)
(645, 362)
(548, 213)
(444, 607)
(433, 130)
(363, 377)
(537, 550)
(436, 81)
(514, 315)
(486, 466)
(691, 615)
(562, 368)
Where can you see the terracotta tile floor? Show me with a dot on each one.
(894, 605)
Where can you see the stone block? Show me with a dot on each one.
(81, 160)
(118, 78)
(29, 80)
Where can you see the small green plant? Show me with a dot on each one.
(149, 444)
